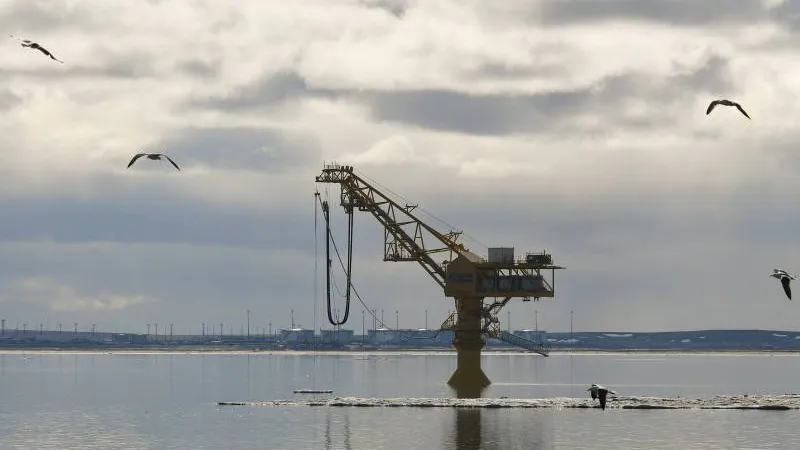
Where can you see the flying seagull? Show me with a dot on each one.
(30, 44)
(154, 157)
(713, 104)
(785, 280)
(601, 392)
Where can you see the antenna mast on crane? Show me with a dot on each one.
(465, 276)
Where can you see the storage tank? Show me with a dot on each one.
(297, 334)
(504, 255)
(336, 336)
(381, 336)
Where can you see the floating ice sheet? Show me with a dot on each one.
(765, 402)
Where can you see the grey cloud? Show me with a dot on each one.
(143, 214)
(204, 261)
(114, 64)
(506, 72)
(396, 8)
(610, 219)
(198, 68)
(158, 209)
(634, 251)
(131, 66)
(783, 150)
(136, 236)
(194, 284)
(505, 114)
(35, 16)
(8, 99)
(500, 114)
(787, 14)
(187, 284)
(211, 262)
(115, 70)
(675, 12)
(712, 76)
(272, 90)
(467, 113)
(263, 149)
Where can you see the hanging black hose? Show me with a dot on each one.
(329, 261)
(349, 263)
(325, 214)
(330, 280)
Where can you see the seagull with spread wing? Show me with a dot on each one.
(154, 157)
(785, 279)
(600, 392)
(30, 44)
(713, 104)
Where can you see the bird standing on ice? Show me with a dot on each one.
(725, 103)
(154, 157)
(30, 44)
(785, 279)
(600, 392)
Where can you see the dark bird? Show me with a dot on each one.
(30, 44)
(725, 103)
(600, 392)
(154, 157)
(785, 280)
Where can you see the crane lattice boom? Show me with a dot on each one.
(405, 236)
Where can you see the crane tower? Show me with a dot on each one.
(465, 276)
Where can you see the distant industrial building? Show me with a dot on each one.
(296, 337)
(297, 334)
(336, 337)
(531, 335)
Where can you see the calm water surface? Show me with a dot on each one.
(168, 401)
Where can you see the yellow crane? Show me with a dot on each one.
(463, 275)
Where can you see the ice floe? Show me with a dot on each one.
(764, 402)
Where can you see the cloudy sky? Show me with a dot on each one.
(578, 127)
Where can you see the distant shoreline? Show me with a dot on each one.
(420, 351)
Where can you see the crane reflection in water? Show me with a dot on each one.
(476, 429)
(459, 428)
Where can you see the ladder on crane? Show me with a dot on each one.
(492, 329)
(541, 348)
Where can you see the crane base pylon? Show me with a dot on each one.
(468, 380)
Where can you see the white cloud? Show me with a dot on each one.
(392, 150)
(59, 297)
